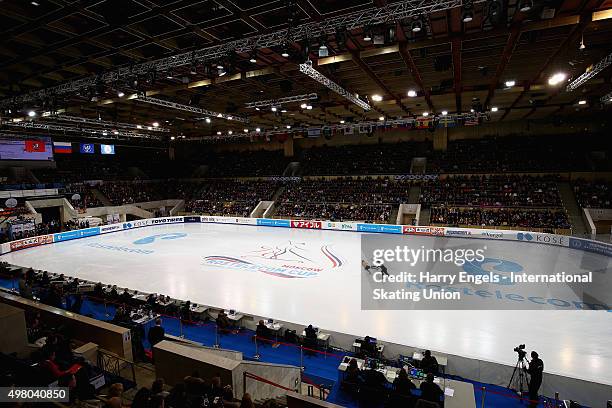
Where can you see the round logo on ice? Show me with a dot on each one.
(501, 267)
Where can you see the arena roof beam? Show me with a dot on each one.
(192, 109)
(416, 75)
(107, 134)
(591, 72)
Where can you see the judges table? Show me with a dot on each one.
(442, 361)
(457, 394)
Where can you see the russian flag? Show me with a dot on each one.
(62, 147)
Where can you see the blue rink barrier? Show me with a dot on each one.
(587, 245)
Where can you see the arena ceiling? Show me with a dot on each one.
(453, 66)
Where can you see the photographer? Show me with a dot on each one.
(535, 370)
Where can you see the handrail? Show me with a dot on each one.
(246, 375)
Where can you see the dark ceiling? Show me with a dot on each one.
(454, 66)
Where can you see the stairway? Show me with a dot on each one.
(101, 197)
(414, 195)
(568, 198)
(424, 217)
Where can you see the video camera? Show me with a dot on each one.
(520, 349)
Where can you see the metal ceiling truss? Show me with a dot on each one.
(306, 68)
(455, 119)
(83, 131)
(192, 109)
(591, 72)
(280, 101)
(104, 123)
(606, 99)
(370, 17)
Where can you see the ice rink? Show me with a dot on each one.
(314, 276)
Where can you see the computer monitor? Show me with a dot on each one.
(270, 321)
(372, 340)
(232, 311)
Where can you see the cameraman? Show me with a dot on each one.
(535, 370)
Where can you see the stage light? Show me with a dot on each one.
(221, 72)
(155, 124)
(582, 102)
(273, 109)
(246, 130)
(230, 118)
(309, 107)
(149, 128)
(138, 126)
(557, 78)
(207, 120)
(526, 5)
(510, 83)
(468, 11)
(303, 106)
(31, 113)
(219, 115)
(283, 110)
(172, 138)
(342, 122)
(285, 54)
(444, 113)
(258, 130)
(377, 98)
(412, 93)
(218, 133)
(288, 126)
(381, 118)
(104, 133)
(120, 94)
(425, 113)
(367, 35)
(253, 57)
(494, 109)
(115, 132)
(472, 110)
(417, 25)
(229, 132)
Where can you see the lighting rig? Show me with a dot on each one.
(591, 72)
(365, 18)
(192, 109)
(88, 132)
(281, 101)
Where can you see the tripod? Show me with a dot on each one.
(518, 381)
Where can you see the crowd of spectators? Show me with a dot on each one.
(507, 217)
(514, 153)
(229, 197)
(388, 158)
(491, 191)
(86, 198)
(343, 199)
(595, 194)
(247, 164)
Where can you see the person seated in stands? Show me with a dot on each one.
(115, 396)
(156, 333)
(262, 331)
(141, 398)
(402, 384)
(25, 289)
(374, 383)
(44, 279)
(215, 390)
(228, 397)
(223, 321)
(73, 285)
(430, 391)
(98, 291)
(247, 401)
(122, 315)
(157, 388)
(125, 297)
(429, 364)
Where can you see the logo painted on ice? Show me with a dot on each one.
(152, 238)
(500, 267)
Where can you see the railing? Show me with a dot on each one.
(114, 364)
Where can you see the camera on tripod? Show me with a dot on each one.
(520, 349)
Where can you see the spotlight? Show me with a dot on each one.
(468, 11)
(444, 113)
(172, 138)
(510, 83)
(283, 110)
(285, 54)
(138, 126)
(219, 115)
(115, 132)
(309, 107)
(120, 94)
(229, 118)
(207, 120)
(381, 118)
(218, 133)
(494, 109)
(105, 133)
(377, 98)
(342, 122)
(253, 57)
(472, 110)
(417, 25)
(557, 78)
(468, 16)
(425, 113)
(257, 109)
(582, 102)
(155, 124)
(582, 46)
(258, 130)
(246, 130)
(273, 109)
(412, 93)
(31, 113)
(221, 72)
(149, 128)
(229, 132)
(525, 5)
(303, 106)
(219, 66)
(288, 126)
(367, 35)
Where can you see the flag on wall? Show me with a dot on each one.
(34, 146)
(62, 147)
